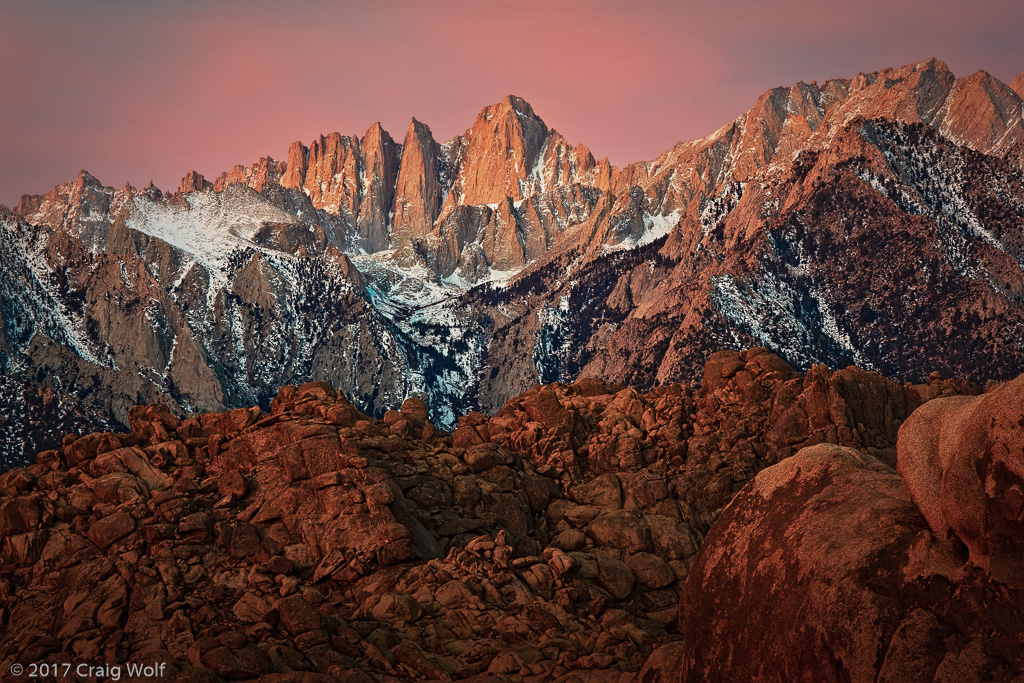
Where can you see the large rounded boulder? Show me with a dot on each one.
(824, 569)
(963, 460)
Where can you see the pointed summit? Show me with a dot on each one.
(332, 174)
(913, 93)
(984, 114)
(931, 64)
(418, 191)
(194, 182)
(926, 84)
(295, 172)
(508, 106)
(1017, 84)
(504, 144)
(378, 164)
(86, 179)
(153, 191)
(374, 133)
(515, 104)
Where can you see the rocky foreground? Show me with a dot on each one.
(557, 540)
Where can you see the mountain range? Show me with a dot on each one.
(877, 221)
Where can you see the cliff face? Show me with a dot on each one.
(418, 193)
(876, 220)
(379, 163)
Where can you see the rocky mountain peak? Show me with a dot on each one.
(503, 146)
(983, 114)
(418, 133)
(777, 123)
(80, 208)
(194, 182)
(259, 176)
(152, 190)
(912, 93)
(332, 175)
(418, 190)
(375, 135)
(561, 163)
(514, 104)
(295, 173)
(379, 158)
(1017, 84)
(85, 178)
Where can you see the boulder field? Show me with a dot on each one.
(767, 525)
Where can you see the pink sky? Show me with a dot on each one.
(134, 91)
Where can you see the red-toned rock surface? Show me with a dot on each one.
(1017, 84)
(874, 220)
(378, 165)
(418, 188)
(549, 542)
(833, 566)
(194, 182)
(985, 115)
(503, 145)
(963, 461)
(261, 175)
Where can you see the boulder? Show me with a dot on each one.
(650, 570)
(615, 577)
(824, 569)
(963, 461)
(621, 529)
(111, 528)
(297, 615)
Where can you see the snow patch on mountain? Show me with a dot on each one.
(208, 226)
(47, 311)
(655, 227)
(553, 341)
(796, 324)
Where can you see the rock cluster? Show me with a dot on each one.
(833, 565)
(549, 542)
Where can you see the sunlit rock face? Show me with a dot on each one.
(875, 220)
(551, 541)
(833, 565)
